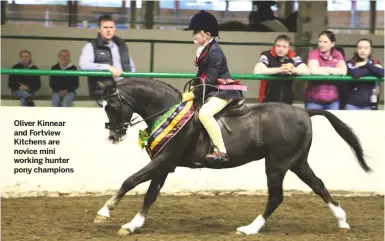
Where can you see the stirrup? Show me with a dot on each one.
(217, 158)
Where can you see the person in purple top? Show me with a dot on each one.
(324, 60)
(363, 64)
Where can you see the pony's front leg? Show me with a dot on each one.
(150, 197)
(151, 170)
(104, 213)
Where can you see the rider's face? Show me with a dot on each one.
(200, 37)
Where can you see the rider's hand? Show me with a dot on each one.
(188, 96)
(115, 72)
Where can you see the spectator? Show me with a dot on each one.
(106, 52)
(280, 60)
(63, 87)
(24, 87)
(324, 60)
(362, 64)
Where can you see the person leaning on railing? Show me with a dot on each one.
(24, 87)
(106, 52)
(279, 60)
(363, 64)
(324, 60)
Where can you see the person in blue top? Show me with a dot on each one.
(362, 64)
(214, 72)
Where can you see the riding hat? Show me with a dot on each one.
(204, 21)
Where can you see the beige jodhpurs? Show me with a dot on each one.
(206, 116)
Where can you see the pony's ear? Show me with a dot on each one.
(109, 87)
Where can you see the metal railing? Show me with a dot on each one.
(152, 43)
(185, 75)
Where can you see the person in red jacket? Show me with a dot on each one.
(279, 60)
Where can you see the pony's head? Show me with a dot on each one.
(147, 97)
(119, 111)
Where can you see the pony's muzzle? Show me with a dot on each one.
(114, 137)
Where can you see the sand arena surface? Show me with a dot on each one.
(195, 217)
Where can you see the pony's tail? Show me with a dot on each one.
(346, 133)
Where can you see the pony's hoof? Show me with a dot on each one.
(240, 233)
(100, 219)
(245, 230)
(342, 234)
(343, 225)
(123, 231)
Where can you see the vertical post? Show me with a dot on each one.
(3, 12)
(312, 19)
(148, 14)
(133, 15)
(123, 13)
(227, 12)
(289, 8)
(353, 15)
(176, 8)
(72, 7)
(152, 56)
(373, 16)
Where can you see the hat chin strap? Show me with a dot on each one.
(206, 42)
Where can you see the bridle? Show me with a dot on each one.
(120, 127)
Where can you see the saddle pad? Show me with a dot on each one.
(165, 128)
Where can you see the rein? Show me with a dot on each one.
(121, 127)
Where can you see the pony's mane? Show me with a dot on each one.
(149, 82)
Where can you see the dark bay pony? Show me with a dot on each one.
(279, 133)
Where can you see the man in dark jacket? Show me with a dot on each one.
(280, 60)
(63, 87)
(24, 87)
(106, 52)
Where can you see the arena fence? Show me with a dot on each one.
(152, 43)
(184, 75)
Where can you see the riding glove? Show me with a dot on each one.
(188, 96)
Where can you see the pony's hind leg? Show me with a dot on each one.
(275, 177)
(306, 174)
(277, 163)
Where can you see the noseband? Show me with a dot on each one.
(119, 127)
